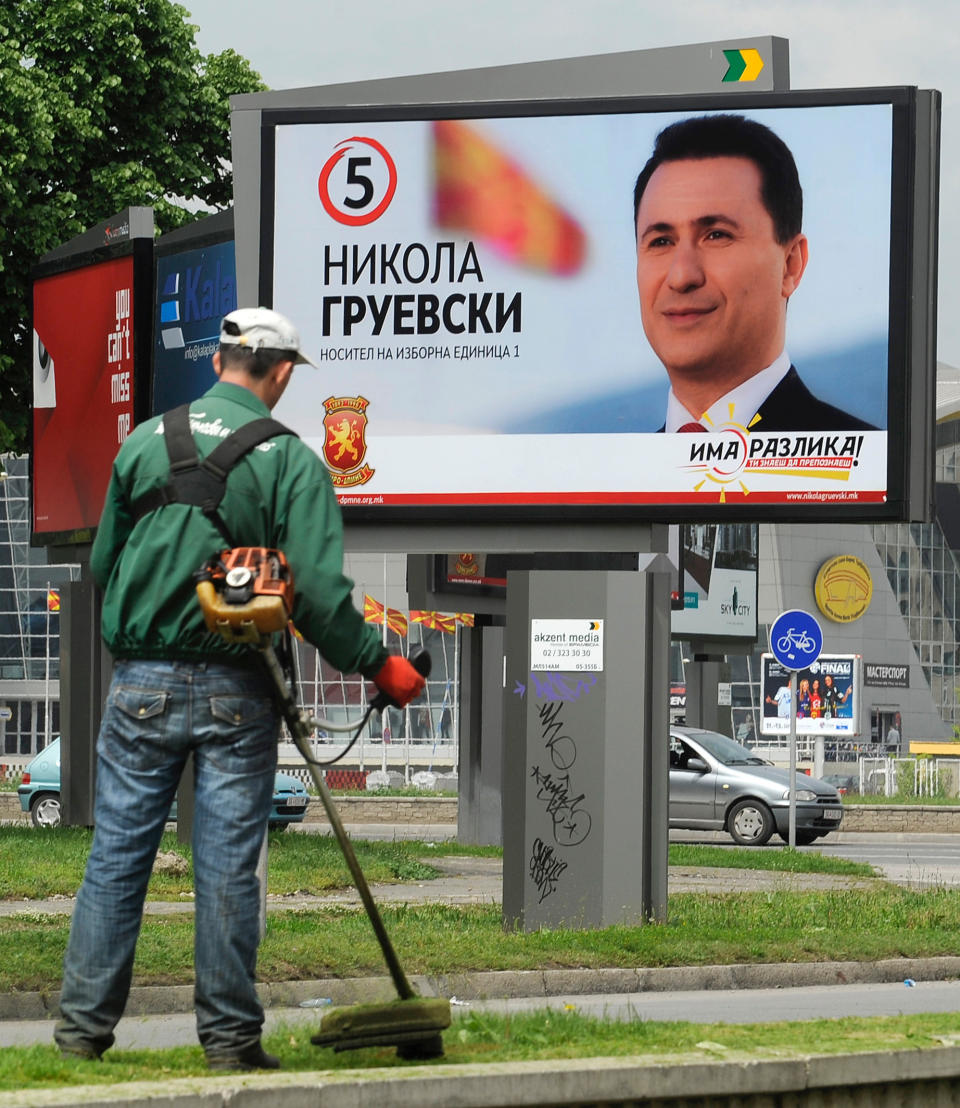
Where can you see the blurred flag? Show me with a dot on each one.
(53, 600)
(373, 613)
(436, 620)
(396, 621)
(481, 191)
(465, 618)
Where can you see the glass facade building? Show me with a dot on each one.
(30, 592)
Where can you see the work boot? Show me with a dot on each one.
(253, 1057)
(80, 1052)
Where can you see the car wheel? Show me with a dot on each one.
(45, 810)
(750, 823)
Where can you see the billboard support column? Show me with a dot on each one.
(481, 735)
(704, 674)
(818, 756)
(585, 757)
(85, 671)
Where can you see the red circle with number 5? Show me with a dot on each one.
(357, 176)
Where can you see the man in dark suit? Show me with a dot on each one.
(718, 211)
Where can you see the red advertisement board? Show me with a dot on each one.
(83, 359)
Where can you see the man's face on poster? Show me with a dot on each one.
(712, 278)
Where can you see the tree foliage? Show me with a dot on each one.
(105, 104)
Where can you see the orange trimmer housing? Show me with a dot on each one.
(246, 593)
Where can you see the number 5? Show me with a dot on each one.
(356, 178)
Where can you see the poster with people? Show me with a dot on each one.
(828, 696)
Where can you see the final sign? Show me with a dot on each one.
(566, 644)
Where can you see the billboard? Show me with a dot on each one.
(828, 696)
(494, 338)
(86, 361)
(196, 286)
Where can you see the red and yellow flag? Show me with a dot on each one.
(396, 621)
(466, 619)
(373, 612)
(480, 190)
(435, 620)
(53, 600)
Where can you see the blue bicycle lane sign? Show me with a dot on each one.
(795, 639)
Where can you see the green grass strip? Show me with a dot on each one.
(477, 1037)
(778, 926)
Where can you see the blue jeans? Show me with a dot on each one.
(158, 713)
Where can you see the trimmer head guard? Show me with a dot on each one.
(413, 1026)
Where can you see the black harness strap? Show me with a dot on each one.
(202, 482)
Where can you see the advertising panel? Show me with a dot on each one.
(718, 582)
(196, 288)
(508, 316)
(84, 386)
(828, 696)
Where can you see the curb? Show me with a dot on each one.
(914, 1076)
(155, 1000)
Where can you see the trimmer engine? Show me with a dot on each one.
(246, 593)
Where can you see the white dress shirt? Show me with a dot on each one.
(739, 405)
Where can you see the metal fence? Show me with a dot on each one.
(919, 777)
(421, 737)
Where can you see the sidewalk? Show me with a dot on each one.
(471, 880)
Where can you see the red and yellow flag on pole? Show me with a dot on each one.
(480, 190)
(396, 621)
(435, 620)
(373, 612)
(53, 600)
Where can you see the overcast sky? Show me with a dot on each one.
(833, 44)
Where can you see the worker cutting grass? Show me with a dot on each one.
(211, 475)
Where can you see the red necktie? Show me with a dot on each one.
(688, 428)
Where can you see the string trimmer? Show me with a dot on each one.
(247, 597)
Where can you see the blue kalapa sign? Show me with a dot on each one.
(796, 639)
(195, 290)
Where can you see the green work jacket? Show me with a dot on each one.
(279, 495)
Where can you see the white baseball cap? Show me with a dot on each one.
(260, 328)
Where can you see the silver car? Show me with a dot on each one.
(718, 785)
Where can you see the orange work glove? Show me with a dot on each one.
(399, 681)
